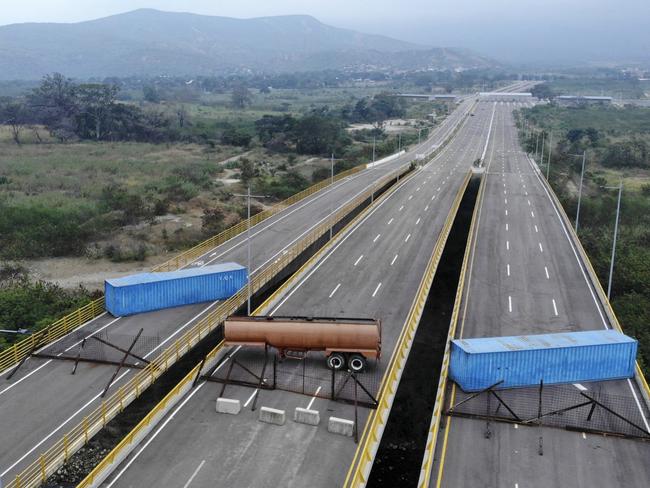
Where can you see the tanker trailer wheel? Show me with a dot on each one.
(357, 363)
(336, 361)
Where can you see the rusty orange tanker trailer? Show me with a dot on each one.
(348, 341)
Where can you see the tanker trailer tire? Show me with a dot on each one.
(356, 363)
(336, 361)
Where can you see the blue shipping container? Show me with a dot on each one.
(569, 357)
(154, 291)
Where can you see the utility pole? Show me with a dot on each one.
(582, 176)
(399, 142)
(420, 135)
(248, 247)
(331, 186)
(374, 141)
(550, 149)
(536, 145)
(611, 264)
(541, 158)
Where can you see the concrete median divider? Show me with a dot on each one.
(272, 416)
(339, 426)
(228, 405)
(306, 416)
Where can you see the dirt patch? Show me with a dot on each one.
(90, 273)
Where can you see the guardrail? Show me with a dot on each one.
(21, 349)
(434, 426)
(361, 466)
(133, 438)
(54, 457)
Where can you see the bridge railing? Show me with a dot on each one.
(21, 349)
(55, 456)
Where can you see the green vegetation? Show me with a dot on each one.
(616, 142)
(32, 305)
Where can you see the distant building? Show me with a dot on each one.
(506, 96)
(578, 100)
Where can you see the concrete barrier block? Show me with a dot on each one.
(228, 405)
(272, 416)
(305, 416)
(340, 426)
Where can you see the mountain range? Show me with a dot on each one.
(149, 42)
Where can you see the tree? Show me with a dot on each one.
(247, 169)
(543, 92)
(150, 94)
(13, 115)
(56, 102)
(241, 97)
(213, 221)
(96, 103)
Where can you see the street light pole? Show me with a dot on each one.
(611, 264)
(541, 158)
(550, 149)
(536, 145)
(582, 176)
(249, 244)
(331, 186)
(374, 140)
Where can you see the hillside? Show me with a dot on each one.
(149, 42)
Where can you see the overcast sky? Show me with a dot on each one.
(506, 29)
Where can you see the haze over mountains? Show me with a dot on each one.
(150, 43)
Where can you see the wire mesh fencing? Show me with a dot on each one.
(570, 407)
(308, 375)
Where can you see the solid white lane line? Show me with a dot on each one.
(417, 221)
(393, 261)
(196, 471)
(334, 290)
(390, 221)
(376, 289)
(509, 303)
(407, 238)
(546, 271)
(358, 259)
(540, 247)
(555, 308)
(508, 268)
(375, 239)
(311, 402)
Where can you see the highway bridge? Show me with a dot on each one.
(525, 273)
(31, 426)
(380, 265)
